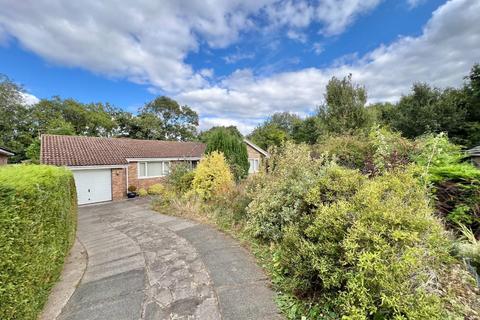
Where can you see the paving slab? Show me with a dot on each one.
(145, 265)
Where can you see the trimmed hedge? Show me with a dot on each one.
(38, 214)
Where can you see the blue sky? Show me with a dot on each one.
(235, 62)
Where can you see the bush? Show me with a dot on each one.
(229, 208)
(166, 196)
(456, 184)
(350, 151)
(379, 151)
(38, 208)
(181, 177)
(132, 188)
(142, 192)
(279, 198)
(212, 175)
(156, 189)
(368, 254)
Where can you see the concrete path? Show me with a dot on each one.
(144, 265)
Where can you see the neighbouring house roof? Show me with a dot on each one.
(254, 146)
(475, 152)
(5, 152)
(92, 151)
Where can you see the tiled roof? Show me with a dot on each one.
(90, 151)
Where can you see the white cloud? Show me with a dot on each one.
(337, 15)
(148, 42)
(318, 48)
(29, 99)
(207, 73)
(297, 36)
(414, 3)
(441, 56)
(242, 126)
(234, 58)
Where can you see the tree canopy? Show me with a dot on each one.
(425, 109)
(21, 125)
(232, 147)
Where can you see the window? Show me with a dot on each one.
(253, 165)
(153, 169)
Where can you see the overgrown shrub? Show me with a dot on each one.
(456, 183)
(469, 248)
(229, 208)
(181, 177)
(389, 151)
(212, 175)
(142, 192)
(38, 208)
(369, 254)
(279, 199)
(156, 189)
(374, 153)
(350, 151)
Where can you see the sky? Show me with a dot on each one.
(235, 62)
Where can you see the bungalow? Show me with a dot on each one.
(104, 168)
(4, 154)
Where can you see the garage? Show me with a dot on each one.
(93, 185)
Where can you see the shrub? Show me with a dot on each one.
(166, 196)
(156, 189)
(369, 254)
(229, 208)
(181, 177)
(350, 151)
(142, 192)
(390, 151)
(212, 175)
(456, 184)
(468, 247)
(279, 199)
(379, 151)
(38, 208)
(132, 188)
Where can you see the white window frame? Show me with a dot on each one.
(254, 160)
(146, 169)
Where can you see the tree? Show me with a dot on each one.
(16, 131)
(344, 110)
(205, 135)
(93, 119)
(268, 135)
(428, 109)
(164, 119)
(233, 148)
(285, 121)
(309, 130)
(471, 90)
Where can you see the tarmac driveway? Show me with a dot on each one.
(144, 265)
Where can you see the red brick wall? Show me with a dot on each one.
(140, 183)
(3, 159)
(119, 184)
(253, 154)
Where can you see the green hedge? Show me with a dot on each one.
(38, 208)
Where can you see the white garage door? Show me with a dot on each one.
(93, 185)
